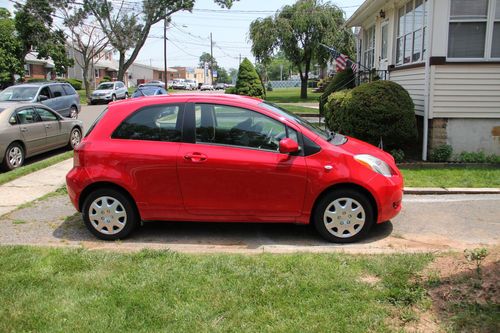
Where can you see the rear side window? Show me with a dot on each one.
(57, 90)
(46, 115)
(68, 89)
(152, 123)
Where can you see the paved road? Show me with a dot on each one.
(427, 223)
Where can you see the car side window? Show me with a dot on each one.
(227, 125)
(27, 116)
(152, 123)
(57, 90)
(45, 92)
(46, 115)
(68, 89)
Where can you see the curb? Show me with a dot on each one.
(450, 190)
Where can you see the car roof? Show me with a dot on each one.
(37, 84)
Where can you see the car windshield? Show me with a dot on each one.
(105, 86)
(289, 115)
(18, 93)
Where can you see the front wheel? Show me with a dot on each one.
(113, 98)
(343, 216)
(109, 215)
(126, 95)
(14, 156)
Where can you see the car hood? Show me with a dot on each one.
(355, 147)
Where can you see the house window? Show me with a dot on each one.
(474, 30)
(411, 42)
(369, 54)
(96, 73)
(27, 70)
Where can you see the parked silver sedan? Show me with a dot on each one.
(31, 129)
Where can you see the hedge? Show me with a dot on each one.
(374, 111)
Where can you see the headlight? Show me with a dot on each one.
(374, 163)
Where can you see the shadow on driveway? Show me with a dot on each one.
(238, 235)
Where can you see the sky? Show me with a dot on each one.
(189, 33)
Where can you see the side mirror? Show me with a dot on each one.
(288, 146)
(42, 98)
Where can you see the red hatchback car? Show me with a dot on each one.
(227, 158)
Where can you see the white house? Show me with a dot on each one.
(446, 53)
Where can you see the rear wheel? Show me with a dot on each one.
(73, 112)
(109, 214)
(344, 216)
(14, 156)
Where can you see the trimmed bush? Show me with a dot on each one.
(478, 157)
(106, 78)
(76, 84)
(398, 155)
(373, 111)
(441, 153)
(342, 80)
(248, 82)
(36, 80)
(230, 90)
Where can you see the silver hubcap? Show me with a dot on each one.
(15, 156)
(344, 217)
(107, 215)
(113, 98)
(75, 138)
(73, 114)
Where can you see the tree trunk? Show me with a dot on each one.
(121, 67)
(303, 86)
(86, 83)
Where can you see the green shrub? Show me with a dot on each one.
(248, 82)
(398, 155)
(36, 80)
(441, 153)
(106, 78)
(342, 80)
(373, 111)
(269, 86)
(76, 84)
(230, 90)
(477, 157)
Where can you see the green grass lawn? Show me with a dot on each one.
(452, 177)
(24, 170)
(290, 95)
(62, 290)
(299, 109)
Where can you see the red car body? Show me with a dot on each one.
(187, 181)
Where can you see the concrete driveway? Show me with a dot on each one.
(427, 223)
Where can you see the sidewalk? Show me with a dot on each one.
(33, 186)
(42, 182)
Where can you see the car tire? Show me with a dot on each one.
(343, 216)
(75, 137)
(126, 95)
(73, 112)
(113, 98)
(109, 214)
(14, 156)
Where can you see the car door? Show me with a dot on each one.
(234, 167)
(53, 127)
(59, 103)
(32, 130)
(144, 146)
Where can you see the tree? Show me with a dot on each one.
(86, 39)
(127, 24)
(248, 82)
(299, 30)
(35, 30)
(278, 67)
(207, 58)
(10, 48)
(223, 76)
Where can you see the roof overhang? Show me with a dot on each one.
(367, 9)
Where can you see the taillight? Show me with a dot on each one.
(78, 159)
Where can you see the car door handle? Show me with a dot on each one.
(48, 126)
(195, 157)
(24, 129)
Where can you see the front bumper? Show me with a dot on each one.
(390, 198)
(101, 98)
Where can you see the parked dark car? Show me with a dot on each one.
(60, 97)
(149, 91)
(28, 129)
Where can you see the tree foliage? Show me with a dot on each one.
(127, 25)
(35, 30)
(342, 80)
(298, 30)
(276, 68)
(10, 48)
(373, 111)
(248, 82)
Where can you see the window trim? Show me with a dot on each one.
(423, 28)
(490, 21)
(192, 128)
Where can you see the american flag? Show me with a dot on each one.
(341, 62)
(354, 66)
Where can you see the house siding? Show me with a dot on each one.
(465, 91)
(413, 80)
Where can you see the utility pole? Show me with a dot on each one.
(211, 60)
(165, 79)
(240, 60)
(281, 72)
